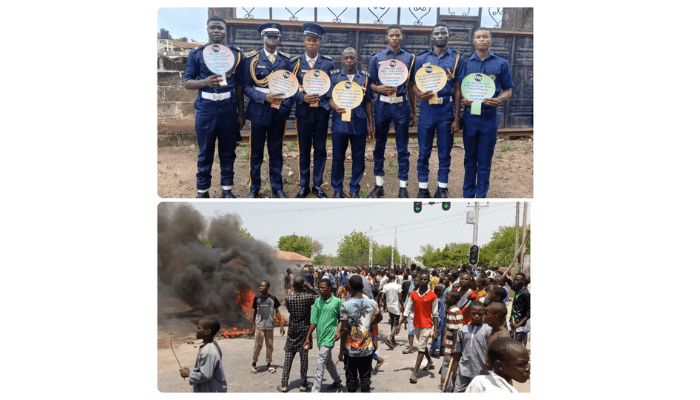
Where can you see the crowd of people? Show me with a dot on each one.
(457, 312)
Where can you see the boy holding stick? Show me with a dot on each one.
(207, 375)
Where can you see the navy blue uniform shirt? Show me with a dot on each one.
(197, 69)
(323, 63)
(495, 66)
(379, 57)
(258, 111)
(358, 120)
(452, 62)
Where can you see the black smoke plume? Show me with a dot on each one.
(209, 279)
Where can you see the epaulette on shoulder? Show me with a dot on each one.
(294, 59)
(364, 72)
(335, 71)
(327, 58)
(375, 53)
(284, 54)
(425, 52)
(250, 53)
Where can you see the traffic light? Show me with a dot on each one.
(417, 206)
(445, 205)
(473, 255)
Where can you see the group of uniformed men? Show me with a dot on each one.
(219, 113)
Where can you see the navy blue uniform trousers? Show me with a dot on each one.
(312, 130)
(274, 134)
(216, 121)
(480, 134)
(384, 114)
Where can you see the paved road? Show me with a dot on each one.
(393, 376)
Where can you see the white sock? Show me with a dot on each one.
(402, 184)
(202, 191)
(442, 185)
(380, 180)
(422, 185)
(226, 187)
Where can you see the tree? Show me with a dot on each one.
(296, 244)
(244, 232)
(499, 252)
(321, 259)
(318, 246)
(353, 249)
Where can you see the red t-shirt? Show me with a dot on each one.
(423, 309)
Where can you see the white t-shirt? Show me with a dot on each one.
(393, 291)
(491, 383)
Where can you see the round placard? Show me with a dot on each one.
(477, 87)
(283, 82)
(347, 94)
(392, 72)
(316, 81)
(431, 77)
(218, 58)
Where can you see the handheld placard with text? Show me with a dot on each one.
(282, 82)
(347, 95)
(219, 59)
(477, 87)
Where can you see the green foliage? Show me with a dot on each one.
(508, 146)
(296, 244)
(382, 255)
(499, 252)
(207, 242)
(321, 259)
(244, 232)
(353, 249)
(452, 254)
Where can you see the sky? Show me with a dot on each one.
(329, 222)
(190, 22)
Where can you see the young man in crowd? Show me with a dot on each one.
(507, 360)
(264, 306)
(208, 373)
(358, 317)
(299, 305)
(470, 349)
(424, 305)
(520, 313)
(324, 315)
(495, 317)
(391, 293)
(454, 323)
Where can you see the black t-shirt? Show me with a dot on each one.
(404, 290)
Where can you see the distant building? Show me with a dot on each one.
(290, 259)
(174, 48)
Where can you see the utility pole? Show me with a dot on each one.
(476, 222)
(392, 250)
(515, 244)
(522, 257)
(370, 245)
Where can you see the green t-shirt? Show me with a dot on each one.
(325, 316)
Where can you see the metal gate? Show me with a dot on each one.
(516, 45)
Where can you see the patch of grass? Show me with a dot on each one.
(266, 188)
(291, 145)
(243, 153)
(499, 155)
(412, 140)
(528, 148)
(216, 156)
(288, 187)
(391, 165)
(328, 167)
(508, 146)
(364, 193)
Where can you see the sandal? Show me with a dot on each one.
(303, 388)
(335, 385)
(253, 370)
(429, 367)
(271, 370)
(279, 389)
(413, 379)
(406, 351)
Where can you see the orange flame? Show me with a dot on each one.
(245, 300)
(233, 332)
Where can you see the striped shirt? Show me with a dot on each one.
(454, 322)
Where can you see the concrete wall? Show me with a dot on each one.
(175, 105)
